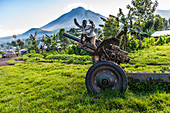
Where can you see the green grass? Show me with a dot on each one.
(59, 86)
(153, 55)
(155, 58)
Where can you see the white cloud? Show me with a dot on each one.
(1, 26)
(69, 7)
(163, 4)
(6, 31)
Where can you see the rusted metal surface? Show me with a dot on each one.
(148, 77)
(108, 50)
(86, 49)
(71, 37)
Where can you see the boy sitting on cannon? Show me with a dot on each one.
(88, 32)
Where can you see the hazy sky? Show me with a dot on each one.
(18, 16)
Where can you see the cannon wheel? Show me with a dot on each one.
(106, 75)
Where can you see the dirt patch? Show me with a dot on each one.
(3, 61)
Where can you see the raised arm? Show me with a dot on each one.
(92, 26)
(77, 24)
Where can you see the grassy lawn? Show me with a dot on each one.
(57, 84)
(155, 58)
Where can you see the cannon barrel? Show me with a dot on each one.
(71, 37)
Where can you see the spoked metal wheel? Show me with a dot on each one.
(105, 75)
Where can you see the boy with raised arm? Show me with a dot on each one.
(88, 31)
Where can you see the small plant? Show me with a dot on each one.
(161, 40)
(168, 39)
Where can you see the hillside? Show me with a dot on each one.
(67, 20)
(26, 35)
(58, 85)
(164, 13)
(64, 21)
(40, 31)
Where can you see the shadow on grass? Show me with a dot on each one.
(145, 89)
(148, 88)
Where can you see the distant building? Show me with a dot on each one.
(10, 51)
(161, 33)
(23, 51)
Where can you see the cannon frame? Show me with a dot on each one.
(106, 73)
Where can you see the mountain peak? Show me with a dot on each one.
(79, 8)
(67, 20)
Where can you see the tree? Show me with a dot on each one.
(158, 23)
(110, 27)
(50, 42)
(149, 25)
(54, 42)
(165, 22)
(137, 22)
(14, 43)
(2, 45)
(72, 30)
(64, 41)
(20, 44)
(33, 43)
(113, 25)
(140, 12)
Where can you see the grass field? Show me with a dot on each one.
(57, 84)
(155, 58)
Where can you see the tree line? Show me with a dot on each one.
(140, 22)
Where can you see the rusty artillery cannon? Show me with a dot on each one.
(105, 71)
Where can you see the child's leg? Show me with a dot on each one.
(81, 40)
(93, 40)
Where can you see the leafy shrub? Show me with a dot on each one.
(45, 53)
(32, 51)
(75, 50)
(133, 44)
(35, 55)
(1, 52)
(168, 39)
(147, 42)
(161, 40)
